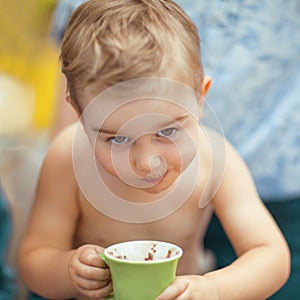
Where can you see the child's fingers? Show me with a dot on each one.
(93, 273)
(87, 284)
(89, 256)
(97, 293)
(174, 290)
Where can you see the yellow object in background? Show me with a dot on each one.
(16, 106)
(28, 56)
(44, 79)
(41, 75)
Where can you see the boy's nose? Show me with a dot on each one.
(145, 156)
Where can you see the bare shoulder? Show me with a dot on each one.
(60, 150)
(234, 163)
(57, 164)
(236, 181)
(57, 183)
(63, 142)
(55, 197)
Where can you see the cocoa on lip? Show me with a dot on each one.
(156, 180)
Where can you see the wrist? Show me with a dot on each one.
(211, 287)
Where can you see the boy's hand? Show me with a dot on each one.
(88, 273)
(190, 287)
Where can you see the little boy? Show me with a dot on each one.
(139, 166)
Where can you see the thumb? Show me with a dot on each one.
(97, 260)
(174, 290)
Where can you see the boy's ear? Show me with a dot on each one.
(70, 101)
(205, 86)
(68, 98)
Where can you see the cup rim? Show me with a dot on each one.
(132, 261)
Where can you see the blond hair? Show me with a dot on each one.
(107, 42)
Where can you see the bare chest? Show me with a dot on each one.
(184, 226)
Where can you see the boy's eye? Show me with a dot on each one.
(119, 139)
(166, 132)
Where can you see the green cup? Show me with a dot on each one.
(141, 269)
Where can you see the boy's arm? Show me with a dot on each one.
(46, 248)
(263, 263)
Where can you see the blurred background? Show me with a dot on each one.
(31, 88)
(29, 80)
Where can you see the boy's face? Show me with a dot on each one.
(146, 143)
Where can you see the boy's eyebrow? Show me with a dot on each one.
(178, 119)
(106, 131)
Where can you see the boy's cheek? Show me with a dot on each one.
(104, 158)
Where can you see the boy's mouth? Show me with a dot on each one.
(155, 179)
